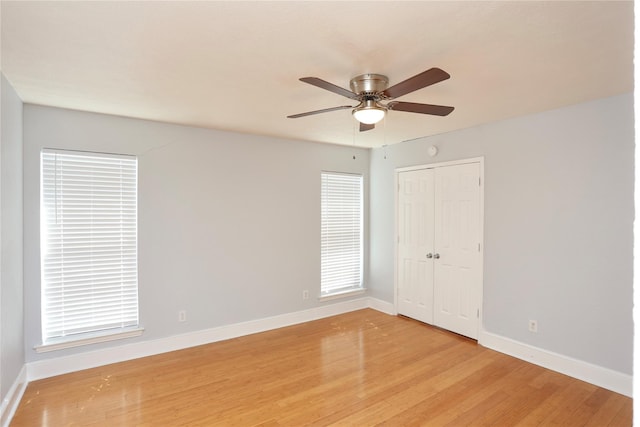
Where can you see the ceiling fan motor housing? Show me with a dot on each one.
(366, 84)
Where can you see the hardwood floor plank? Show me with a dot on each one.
(356, 369)
(606, 412)
(573, 398)
(624, 416)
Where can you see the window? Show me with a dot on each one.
(341, 233)
(88, 245)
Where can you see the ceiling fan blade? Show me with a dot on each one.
(365, 127)
(424, 79)
(412, 107)
(315, 81)
(326, 110)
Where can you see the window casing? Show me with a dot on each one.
(89, 262)
(341, 233)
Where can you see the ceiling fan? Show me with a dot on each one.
(371, 90)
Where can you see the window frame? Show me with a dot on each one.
(116, 192)
(350, 287)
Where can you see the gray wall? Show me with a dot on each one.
(228, 225)
(11, 318)
(558, 225)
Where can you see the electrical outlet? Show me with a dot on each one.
(305, 294)
(533, 326)
(182, 316)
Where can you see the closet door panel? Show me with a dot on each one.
(457, 281)
(415, 243)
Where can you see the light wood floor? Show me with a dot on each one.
(357, 369)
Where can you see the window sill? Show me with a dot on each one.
(95, 338)
(342, 294)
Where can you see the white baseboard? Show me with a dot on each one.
(597, 375)
(61, 365)
(13, 397)
(382, 306)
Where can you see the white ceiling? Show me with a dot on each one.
(235, 65)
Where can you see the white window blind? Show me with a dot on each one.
(341, 234)
(89, 243)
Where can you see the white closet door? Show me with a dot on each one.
(415, 243)
(457, 272)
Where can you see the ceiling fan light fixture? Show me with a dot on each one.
(369, 113)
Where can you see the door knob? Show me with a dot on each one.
(436, 256)
(429, 255)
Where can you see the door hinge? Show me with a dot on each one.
(478, 313)
(479, 182)
(478, 247)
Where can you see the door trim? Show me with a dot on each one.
(480, 161)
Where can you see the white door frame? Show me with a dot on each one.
(480, 161)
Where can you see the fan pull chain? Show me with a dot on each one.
(354, 137)
(384, 136)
